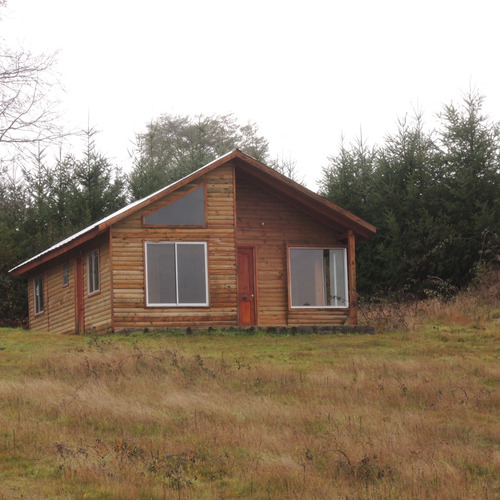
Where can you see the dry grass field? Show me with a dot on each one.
(401, 414)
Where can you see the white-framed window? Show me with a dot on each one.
(38, 295)
(176, 274)
(93, 271)
(318, 277)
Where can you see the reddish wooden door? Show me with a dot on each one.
(79, 307)
(247, 301)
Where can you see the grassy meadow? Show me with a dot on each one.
(411, 413)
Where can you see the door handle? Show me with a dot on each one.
(245, 297)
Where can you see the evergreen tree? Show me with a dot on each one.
(39, 229)
(70, 195)
(405, 204)
(470, 157)
(99, 188)
(348, 178)
(13, 294)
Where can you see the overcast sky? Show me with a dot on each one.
(306, 72)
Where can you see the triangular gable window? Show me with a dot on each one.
(188, 210)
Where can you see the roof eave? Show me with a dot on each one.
(46, 257)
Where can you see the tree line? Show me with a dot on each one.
(434, 196)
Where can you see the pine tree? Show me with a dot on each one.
(99, 188)
(348, 178)
(470, 162)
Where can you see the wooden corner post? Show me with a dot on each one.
(351, 272)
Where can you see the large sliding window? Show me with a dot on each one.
(318, 277)
(176, 274)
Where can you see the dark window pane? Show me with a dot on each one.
(306, 267)
(189, 210)
(191, 273)
(38, 294)
(161, 273)
(93, 265)
(96, 271)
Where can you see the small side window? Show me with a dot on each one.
(38, 296)
(93, 271)
(65, 274)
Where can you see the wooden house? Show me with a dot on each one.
(234, 244)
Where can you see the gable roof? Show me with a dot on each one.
(294, 193)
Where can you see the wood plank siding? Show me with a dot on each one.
(61, 305)
(270, 223)
(59, 315)
(40, 321)
(97, 306)
(129, 235)
(252, 217)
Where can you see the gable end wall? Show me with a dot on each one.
(270, 224)
(128, 237)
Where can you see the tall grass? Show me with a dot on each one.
(411, 414)
(471, 306)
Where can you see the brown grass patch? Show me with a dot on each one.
(410, 414)
(473, 306)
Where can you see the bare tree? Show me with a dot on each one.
(288, 167)
(27, 112)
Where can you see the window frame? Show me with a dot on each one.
(91, 290)
(346, 277)
(39, 305)
(202, 186)
(177, 303)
